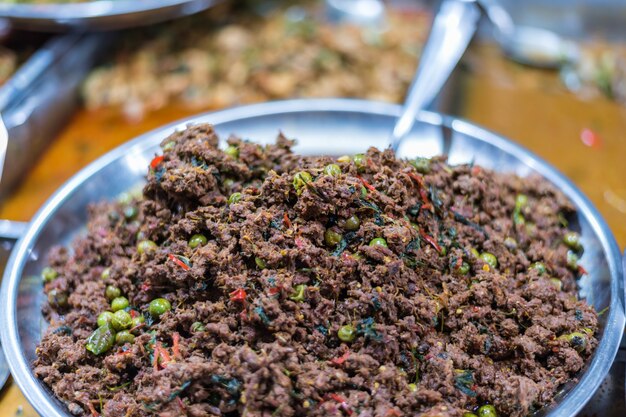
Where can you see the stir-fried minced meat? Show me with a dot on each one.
(296, 287)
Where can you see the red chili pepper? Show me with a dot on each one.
(475, 170)
(393, 413)
(178, 262)
(133, 314)
(145, 287)
(299, 242)
(582, 270)
(590, 138)
(165, 357)
(341, 359)
(366, 184)
(176, 345)
(275, 290)
(423, 195)
(92, 409)
(430, 240)
(238, 295)
(156, 161)
(337, 397)
(286, 221)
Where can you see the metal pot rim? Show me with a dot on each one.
(573, 402)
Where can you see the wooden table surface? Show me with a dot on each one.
(529, 106)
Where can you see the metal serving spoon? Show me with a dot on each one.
(453, 27)
(528, 45)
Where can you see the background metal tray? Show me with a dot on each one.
(99, 15)
(40, 97)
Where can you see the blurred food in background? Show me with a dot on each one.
(216, 60)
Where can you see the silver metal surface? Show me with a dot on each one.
(334, 127)
(99, 14)
(528, 45)
(360, 12)
(453, 27)
(4, 369)
(40, 97)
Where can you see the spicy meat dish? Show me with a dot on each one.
(252, 281)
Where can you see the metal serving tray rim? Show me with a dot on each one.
(571, 404)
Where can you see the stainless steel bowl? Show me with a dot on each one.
(334, 127)
(99, 14)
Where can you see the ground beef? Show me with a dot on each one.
(428, 326)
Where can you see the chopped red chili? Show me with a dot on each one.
(92, 409)
(341, 359)
(238, 295)
(286, 221)
(590, 138)
(582, 270)
(156, 161)
(430, 240)
(367, 184)
(179, 262)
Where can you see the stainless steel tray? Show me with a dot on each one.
(99, 15)
(323, 127)
(40, 97)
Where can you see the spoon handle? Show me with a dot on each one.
(454, 26)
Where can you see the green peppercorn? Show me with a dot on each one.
(159, 306)
(121, 320)
(344, 159)
(487, 411)
(464, 268)
(112, 292)
(234, 198)
(572, 239)
(228, 183)
(490, 259)
(298, 294)
(104, 318)
(474, 252)
(124, 198)
(197, 327)
(422, 165)
(412, 387)
(101, 340)
(137, 322)
(48, 274)
(260, 263)
(332, 238)
(232, 151)
(556, 283)
(468, 414)
(358, 159)
(146, 246)
(124, 337)
(540, 267)
(119, 303)
(378, 241)
(518, 218)
(510, 243)
(332, 170)
(300, 180)
(197, 240)
(520, 201)
(577, 340)
(130, 212)
(572, 260)
(352, 223)
(169, 145)
(347, 333)
(106, 273)
(57, 298)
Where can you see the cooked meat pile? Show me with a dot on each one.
(257, 282)
(216, 59)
